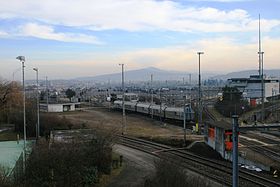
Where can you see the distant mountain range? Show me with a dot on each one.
(162, 75)
(145, 75)
(247, 73)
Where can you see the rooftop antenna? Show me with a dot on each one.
(261, 70)
(260, 48)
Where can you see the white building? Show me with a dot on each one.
(252, 87)
(59, 107)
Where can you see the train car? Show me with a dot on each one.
(118, 104)
(130, 106)
(143, 108)
(157, 110)
(174, 113)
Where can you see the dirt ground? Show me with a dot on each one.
(136, 124)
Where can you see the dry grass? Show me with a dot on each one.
(137, 125)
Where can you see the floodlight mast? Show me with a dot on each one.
(123, 107)
(38, 105)
(199, 91)
(22, 60)
(152, 95)
(262, 85)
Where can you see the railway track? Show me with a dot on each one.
(209, 114)
(220, 172)
(262, 150)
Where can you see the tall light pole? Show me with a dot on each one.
(47, 92)
(152, 95)
(160, 106)
(184, 97)
(199, 92)
(260, 46)
(22, 60)
(190, 90)
(235, 131)
(262, 84)
(38, 105)
(123, 117)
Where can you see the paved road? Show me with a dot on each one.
(138, 167)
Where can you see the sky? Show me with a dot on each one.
(70, 38)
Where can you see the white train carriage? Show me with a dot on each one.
(118, 104)
(174, 113)
(157, 110)
(143, 108)
(130, 106)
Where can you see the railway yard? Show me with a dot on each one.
(144, 134)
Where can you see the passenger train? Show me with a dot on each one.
(165, 112)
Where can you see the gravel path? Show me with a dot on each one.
(138, 167)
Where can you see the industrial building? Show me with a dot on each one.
(252, 87)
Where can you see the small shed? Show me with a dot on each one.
(218, 135)
(59, 107)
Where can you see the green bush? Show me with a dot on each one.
(69, 164)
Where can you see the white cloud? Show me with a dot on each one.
(47, 32)
(3, 34)
(221, 54)
(133, 15)
(224, 1)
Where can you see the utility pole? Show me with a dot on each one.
(184, 97)
(152, 96)
(109, 94)
(199, 92)
(22, 60)
(235, 131)
(38, 106)
(262, 85)
(123, 99)
(47, 92)
(261, 69)
(260, 48)
(160, 113)
(190, 80)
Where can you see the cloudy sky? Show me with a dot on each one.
(72, 38)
